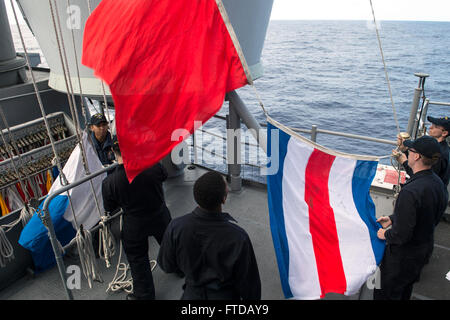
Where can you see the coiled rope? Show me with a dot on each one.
(6, 249)
(120, 281)
(87, 256)
(107, 242)
(83, 238)
(106, 239)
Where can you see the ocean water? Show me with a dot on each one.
(330, 74)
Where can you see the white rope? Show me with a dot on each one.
(385, 68)
(83, 110)
(87, 256)
(259, 99)
(38, 95)
(6, 249)
(25, 215)
(62, 176)
(107, 242)
(105, 100)
(120, 281)
(234, 38)
(70, 95)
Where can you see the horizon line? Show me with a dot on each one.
(333, 19)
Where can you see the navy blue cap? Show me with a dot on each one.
(98, 118)
(443, 122)
(426, 145)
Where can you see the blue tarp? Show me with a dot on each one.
(34, 236)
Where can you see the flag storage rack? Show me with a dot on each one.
(32, 142)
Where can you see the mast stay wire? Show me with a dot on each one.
(385, 68)
(106, 239)
(105, 101)
(40, 103)
(397, 187)
(397, 168)
(385, 72)
(62, 176)
(83, 110)
(38, 96)
(58, 161)
(69, 87)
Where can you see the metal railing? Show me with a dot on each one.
(313, 132)
(419, 126)
(47, 221)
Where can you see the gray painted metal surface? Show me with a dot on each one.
(250, 19)
(11, 67)
(249, 208)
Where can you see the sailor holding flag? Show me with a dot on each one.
(416, 213)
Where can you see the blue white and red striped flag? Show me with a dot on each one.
(322, 217)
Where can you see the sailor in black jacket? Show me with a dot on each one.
(214, 253)
(416, 213)
(145, 214)
(439, 129)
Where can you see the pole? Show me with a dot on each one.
(415, 104)
(248, 119)
(12, 68)
(47, 221)
(234, 148)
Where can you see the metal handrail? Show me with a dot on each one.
(47, 221)
(336, 133)
(110, 217)
(315, 130)
(211, 152)
(438, 103)
(74, 184)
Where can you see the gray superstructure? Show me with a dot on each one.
(248, 201)
(249, 18)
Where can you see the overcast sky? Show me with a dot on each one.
(428, 10)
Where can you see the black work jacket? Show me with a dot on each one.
(417, 211)
(213, 252)
(144, 195)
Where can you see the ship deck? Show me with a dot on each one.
(249, 208)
